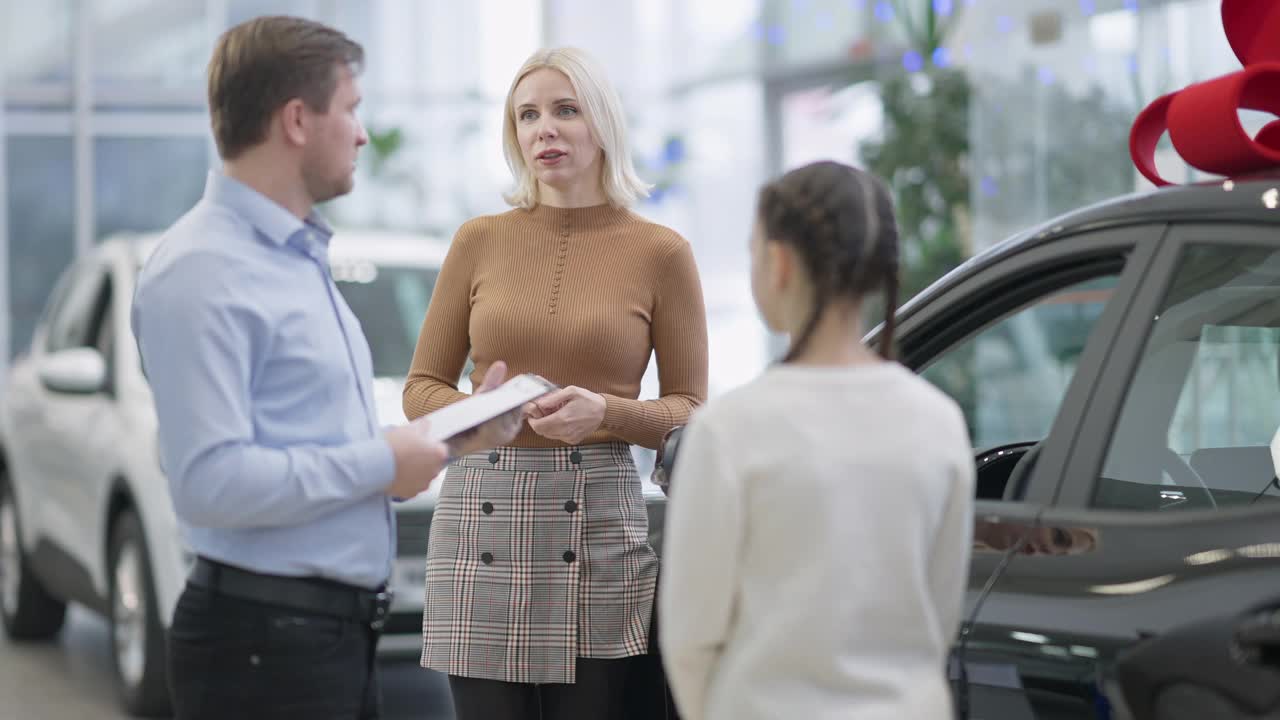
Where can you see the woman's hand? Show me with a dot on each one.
(498, 431)
(568, 415)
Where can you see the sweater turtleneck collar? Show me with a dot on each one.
(578, 218)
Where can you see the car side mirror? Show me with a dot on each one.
(81, 371)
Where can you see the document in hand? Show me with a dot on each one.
(482, 407)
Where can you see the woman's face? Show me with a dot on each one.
(554, 137)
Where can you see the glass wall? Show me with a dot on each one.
(985, 116)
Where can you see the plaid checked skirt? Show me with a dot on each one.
(538, 556)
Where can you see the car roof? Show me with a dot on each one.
(1254, 199)
(379, 246)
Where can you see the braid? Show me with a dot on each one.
(840, 221)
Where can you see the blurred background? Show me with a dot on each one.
(986, 116)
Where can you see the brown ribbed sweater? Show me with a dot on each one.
(580, 296)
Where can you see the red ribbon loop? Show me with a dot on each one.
(1203, 120)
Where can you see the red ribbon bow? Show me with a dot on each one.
(1203, 120)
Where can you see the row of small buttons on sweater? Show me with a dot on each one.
(560, 256)
(570, 507)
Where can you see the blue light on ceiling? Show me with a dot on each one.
(943, 7)
(912, 61)
(1004, 24)
(1088, 7)
(989, 186)
(777, 35)
(1131, 5)
(941, 57)
(1046, 76)
(884, 11)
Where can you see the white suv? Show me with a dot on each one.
(85, 514)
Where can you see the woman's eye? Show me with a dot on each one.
(528, 115)
(567, 111)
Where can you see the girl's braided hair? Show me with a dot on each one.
(840, 221)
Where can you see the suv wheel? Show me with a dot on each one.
(138, 639)
(28, 610)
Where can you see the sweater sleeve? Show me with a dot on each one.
(679, 334)
(697, 598)
(445, 338)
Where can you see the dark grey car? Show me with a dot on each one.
(1120, 371)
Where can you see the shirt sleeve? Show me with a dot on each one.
(679, 333)
(704, 531)
(445, 338)
(202, 341)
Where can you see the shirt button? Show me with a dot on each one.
(569, 556)
(486, 558)
(575, 457)
(493, 457)
(570, 506)
(487, 508)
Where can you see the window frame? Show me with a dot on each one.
(84, 281)
(1010, 284)
(1098, 424)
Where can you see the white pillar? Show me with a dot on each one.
(606, 30)
(216, 17)
(5, 305)
(81, 122)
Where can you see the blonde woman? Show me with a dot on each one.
(540, 578)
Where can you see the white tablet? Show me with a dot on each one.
(482, 407)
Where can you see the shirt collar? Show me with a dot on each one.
(272, 221)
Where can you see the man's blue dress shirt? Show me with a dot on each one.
(264, 393)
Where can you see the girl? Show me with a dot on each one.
(818, 535)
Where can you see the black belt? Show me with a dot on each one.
(322, 597)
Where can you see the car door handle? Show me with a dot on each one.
(1172, 498)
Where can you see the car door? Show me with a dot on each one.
(1020, 345)
(95, 430)
(1169, 484)
(25, 419)
(37, 463)
(78, 429)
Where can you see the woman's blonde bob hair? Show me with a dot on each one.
(602, 110)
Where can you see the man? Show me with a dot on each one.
(279, 474)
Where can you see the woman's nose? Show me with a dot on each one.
(548, 129)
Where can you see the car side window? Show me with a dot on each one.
(1011, 378)
(102, 331)
(1200, 413)
(71, 324)
(390, 302)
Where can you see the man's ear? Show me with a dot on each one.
(293, 122)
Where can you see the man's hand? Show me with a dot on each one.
(418, 459)
(568, 415)
(498, 431)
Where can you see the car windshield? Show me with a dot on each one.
(390, 302)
